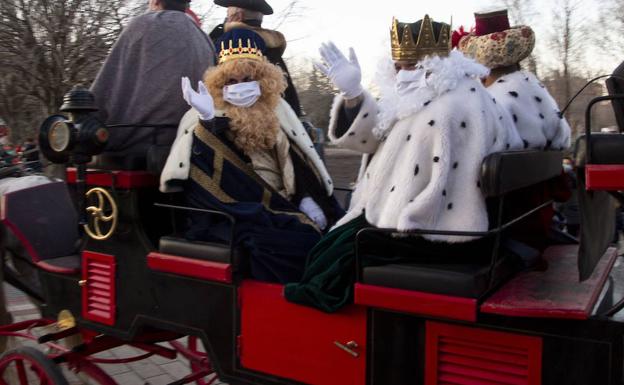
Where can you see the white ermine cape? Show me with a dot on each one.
(425, 149)
(534, 111)
(178, 165)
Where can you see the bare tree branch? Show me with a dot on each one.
(48, 46)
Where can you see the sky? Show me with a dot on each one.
(365, 25)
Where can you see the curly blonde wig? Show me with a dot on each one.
(256, 127)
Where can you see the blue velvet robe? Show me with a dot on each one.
(271, 230)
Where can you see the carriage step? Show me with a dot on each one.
(57, 336)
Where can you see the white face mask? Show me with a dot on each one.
(242, 94)
(407, 81)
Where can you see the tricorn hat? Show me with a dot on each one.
(252, 5)
(494, 43)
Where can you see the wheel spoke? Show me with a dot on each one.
(21, 372)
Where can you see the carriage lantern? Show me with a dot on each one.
(79, 137)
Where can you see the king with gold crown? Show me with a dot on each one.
(423, 143)
(242, 150)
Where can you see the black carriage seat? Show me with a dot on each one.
(208, 251)
(153, 161)
(501, 173)
(45, 221)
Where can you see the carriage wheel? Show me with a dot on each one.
(26, 365)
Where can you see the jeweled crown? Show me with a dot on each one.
(240, 50)
(405, 49)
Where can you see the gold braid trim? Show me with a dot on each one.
(224, 152)
(213, 185)
(209, 184)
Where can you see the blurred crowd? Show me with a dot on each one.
(25, 154)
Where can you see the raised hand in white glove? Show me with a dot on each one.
(202, 101)
(345, 74)
(313, 211)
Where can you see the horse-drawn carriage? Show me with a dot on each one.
(112, 269)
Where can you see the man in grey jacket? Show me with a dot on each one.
(139, 83)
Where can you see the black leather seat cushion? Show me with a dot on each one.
(68, 262)
(46, 218)
(605, 149)
(112, 161)
(208, 251)
(469, 280)
(156, 158)
(503, 172)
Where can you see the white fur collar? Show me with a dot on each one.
(444, 76)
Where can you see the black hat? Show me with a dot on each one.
(252, 5)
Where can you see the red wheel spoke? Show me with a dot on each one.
(21, 372)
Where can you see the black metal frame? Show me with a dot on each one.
(497, 232)
(229, 217)
(588, 121)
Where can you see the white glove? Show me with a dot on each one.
(201, 101)
(345, 74)
(313, 211)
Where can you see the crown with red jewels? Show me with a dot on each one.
(238, 50)
(405, 49)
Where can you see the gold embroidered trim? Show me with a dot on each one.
(222, 152)
(210, 185)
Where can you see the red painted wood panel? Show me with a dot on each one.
(416, 302)
(607, 177)
(554, 293)
(118, 179)
(190, 267)
(297, 342)
(473, 356)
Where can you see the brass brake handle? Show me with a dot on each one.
(348, 347)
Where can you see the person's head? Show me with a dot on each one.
(247, 88)
(413, 42)
(249, 12)
(247, 16)
(169, 5)
(497, 45)
(568, 164)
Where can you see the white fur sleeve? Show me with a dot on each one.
(359, 135)
(561, 140)
(178, 163)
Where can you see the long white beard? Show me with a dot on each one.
(443, 76)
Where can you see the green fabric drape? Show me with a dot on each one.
(327, 282)
(329, 276)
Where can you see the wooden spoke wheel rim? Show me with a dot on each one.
(28, 365)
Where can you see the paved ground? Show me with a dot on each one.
(343, 166)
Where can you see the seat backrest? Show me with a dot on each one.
(606, 148)
(156, 158)
(44, 219)
(504, 172)
(615, 85)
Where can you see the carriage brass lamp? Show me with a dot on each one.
(77, 138)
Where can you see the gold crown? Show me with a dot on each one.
(404, 48)
(240, 51)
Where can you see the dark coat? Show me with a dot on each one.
(139, 82)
